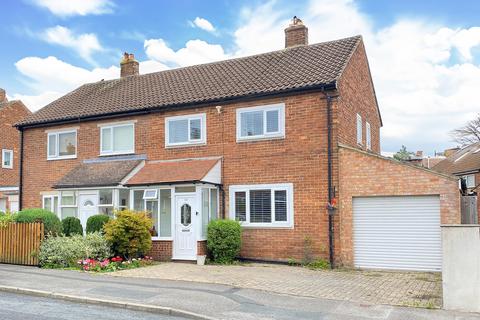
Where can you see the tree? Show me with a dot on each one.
(469, 133)
(403, 154)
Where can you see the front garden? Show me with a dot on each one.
(108, 245)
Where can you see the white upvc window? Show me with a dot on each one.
(150, 194)
(62, 145)
(106, 202)
(68, 204)
(262, 122)
(368, 136)
(50, 203)
(117, 139)
(359, 130)
(185, 130)
(7, 159)
(266, 206)
(469, 180)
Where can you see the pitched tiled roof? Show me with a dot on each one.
(295, 68)
(97, 174)
(463, 161)
(158, 172)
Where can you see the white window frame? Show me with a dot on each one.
(4, 152)
(203, 127)
(112, 127)
(57, 145)
(280, 107)
(288, 187)
(368, 136)
(52, 201)
(154, 197)
(472, 179)
(359, 129)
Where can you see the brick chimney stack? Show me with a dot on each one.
(419, 154)
(3, 96)
(129, 66)
(296, 34)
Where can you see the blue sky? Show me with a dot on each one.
(424, 55)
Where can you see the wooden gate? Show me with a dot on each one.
(20, 243)
(469, 210)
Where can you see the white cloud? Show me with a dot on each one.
(65, 8)
(194, 52)
(203, 24)
(84, 44)
(51, 78)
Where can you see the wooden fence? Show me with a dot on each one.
(469, 210)
(20, 243)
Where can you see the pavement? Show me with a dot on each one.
(21, 307)
(214, 301)
(417, 289)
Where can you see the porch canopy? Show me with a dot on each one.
(177, 171)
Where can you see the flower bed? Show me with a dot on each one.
(113, 264)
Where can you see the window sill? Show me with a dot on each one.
(251, 226)
(7, 167)
(162, 238)
(62, 158)
(262, 138)
(183, 145)
(116, 154)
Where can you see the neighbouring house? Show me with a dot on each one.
(286, 142)
(425, 161)
(465, 164)
(10, 113)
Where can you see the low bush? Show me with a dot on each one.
(72, 226)
(224, 240)
(6, 218)
(95, 223)
(52, 225)
(129, 234)
(63, 251)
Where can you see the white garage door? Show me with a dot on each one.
(397, 233)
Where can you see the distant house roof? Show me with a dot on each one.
(292, 69)
(464, 161)
(168, 171)
(97, 174)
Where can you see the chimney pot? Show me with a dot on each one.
(296, 34)
(129, 66)
(3, 96)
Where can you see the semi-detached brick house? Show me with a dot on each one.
(256, 139)
(10, 113)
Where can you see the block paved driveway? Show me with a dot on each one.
(418, 289)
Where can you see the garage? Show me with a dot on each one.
(397, 232)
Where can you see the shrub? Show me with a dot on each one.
(129, 234)
(95, 223)
(71, 226)
(224, 239)
(6, 218)
(51, 223)
(63, 251)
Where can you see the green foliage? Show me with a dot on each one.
(320, 264)
(403, 154)
(52, 225)
(307, 250)
(71, 226)
(129, 234)
(6, 218)
(224, 240)
(63, 251)
(95, 223)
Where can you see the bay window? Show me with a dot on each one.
(105, 202)
(62, 145)
(185, 130)
(262, 122)
(117, 139)
(158, 204)
(68, 204)
(50, 203)
(262, 205)
(209, 208)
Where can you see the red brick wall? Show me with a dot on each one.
(365, 174)
(202, 248)
(161, 250)
(10, 113)
(357, 96)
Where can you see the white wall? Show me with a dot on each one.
(461, 267)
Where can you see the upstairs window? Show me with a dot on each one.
(262, 205)
(185, 130)
(62, 145)
(368, 136)
(262, 122)
(469, 180)
(359, 129)
(117, 139)
(7, 159)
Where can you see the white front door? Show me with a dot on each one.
(185, 240)
(87, 207)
